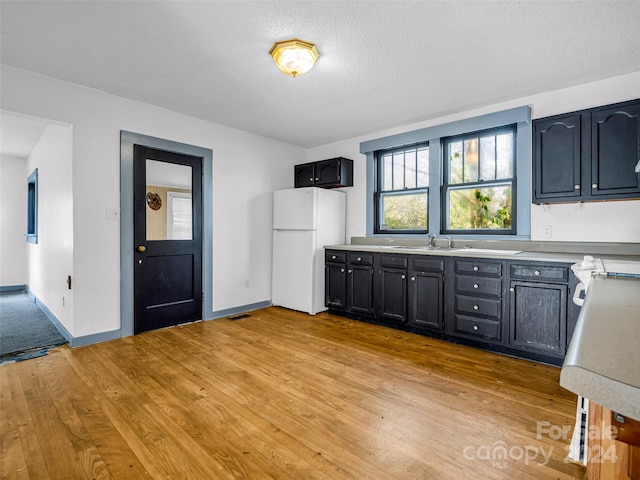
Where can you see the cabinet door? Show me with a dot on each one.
(304, 175)
(328, 172)
(556, 158)
(615, 150)
(360, 289)
(335, 286)
(426, 300)
(538, 317)
(393, 294)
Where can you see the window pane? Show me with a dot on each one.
(471, 160)
(423, 168)
(505, 155)
(480, 208)
(455, 162)
(488, 158)
(387, 172)
(410, 169)
(398, 171)
(404, 212)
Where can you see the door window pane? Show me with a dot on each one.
(169, 191)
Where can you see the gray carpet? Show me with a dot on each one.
(24, 329)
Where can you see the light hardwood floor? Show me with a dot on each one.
(282, 395)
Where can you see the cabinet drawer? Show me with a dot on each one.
(335, 257)
(393, 261)
(546, 273)
(427, 264)
(479, 285)
(485, 307)
(360, 259)
(480, 327)
(476, 267)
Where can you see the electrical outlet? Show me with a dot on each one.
(546, 231)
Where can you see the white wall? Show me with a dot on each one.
(589, 222)
(246, 169)
(13, 221)
(50, 260)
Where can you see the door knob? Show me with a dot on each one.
(142, 248)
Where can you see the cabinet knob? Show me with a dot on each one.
(576, 187)
(333, 257)
(594, 185)
(311, 179)
(512, 289)
(537, 272)
(348, 271)
(317, 178)
(475, 327)
(475, 268)
(359, 259)
(342, 270)
(404, 276)
(413, 279)
(476, 307)
(475, 285)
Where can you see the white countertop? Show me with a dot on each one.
(603, 360)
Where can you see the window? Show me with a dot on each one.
(32, 208)
(479, 182)
(179, 216)
(402, 191)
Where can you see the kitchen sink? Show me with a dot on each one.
(417, 247)
(490, 251)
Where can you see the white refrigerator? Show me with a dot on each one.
(304, 221)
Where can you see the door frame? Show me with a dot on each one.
(127, 141)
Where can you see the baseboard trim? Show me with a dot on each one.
(95, 338)
(13, 288)
(242, 309)
(56, 323)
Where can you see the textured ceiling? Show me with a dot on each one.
(383, 64)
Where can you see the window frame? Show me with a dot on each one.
(446, 187)
(31, 234)
(520, 116)
(379, 194)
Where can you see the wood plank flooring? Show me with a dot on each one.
(282, 395)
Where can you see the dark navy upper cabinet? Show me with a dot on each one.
(615, 150)
(331, 173)
(557, 157)
(587, 155)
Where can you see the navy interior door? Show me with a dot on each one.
(167, 238)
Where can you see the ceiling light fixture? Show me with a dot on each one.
(294, 57)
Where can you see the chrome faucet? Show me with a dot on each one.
(449, 242)
(431, 240)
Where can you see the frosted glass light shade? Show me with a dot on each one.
(294, 57)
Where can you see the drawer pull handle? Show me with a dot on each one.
(537, 272)
(475, 268)
(476, 307)
(475, 285)
(475, 327)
